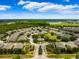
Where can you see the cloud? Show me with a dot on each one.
(56, 7)
(48, 7)
(70, 12)
(21, 2)
(34, 5)
(4, 7)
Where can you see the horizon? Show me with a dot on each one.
(40, 19)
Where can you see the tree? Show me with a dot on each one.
(47, 37)
(57, 50)
(58, 37)
(17, 51)
(28, 35)
(65, 39)
(51, 38)
(35, 40)
(72, 38)
(35, 36)
(26, 49)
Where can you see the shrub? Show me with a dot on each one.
(16, 57)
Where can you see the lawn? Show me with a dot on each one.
(65, 56)
(13, 55)
(64, 25)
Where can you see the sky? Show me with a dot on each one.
(39, 9)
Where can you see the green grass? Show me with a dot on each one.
(5, 56)
(64, 25)
(65, 56)
(40, 42)
(11, 55)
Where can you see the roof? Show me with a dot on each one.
(14, 36)
(77, 41)
(60, 44)
(40, 39)
(22, 37)
(7, 46)
(1, 44)
(18, 45)
(71, 44)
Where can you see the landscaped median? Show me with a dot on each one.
(29, 51)
(30, 54)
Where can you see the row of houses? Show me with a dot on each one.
(72, 29)
(72, 44)
(11, 45)
(65, 44)
(10, 48)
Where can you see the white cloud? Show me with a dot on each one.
(70, 12)
(34, 5)
(4, 7)
(56, 7)
(21, 2)
(48, 7)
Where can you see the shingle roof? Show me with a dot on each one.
(60, 44)
(71, 44)
(8, 45)
(18, 45)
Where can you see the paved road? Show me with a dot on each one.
(37, 56)
(5, 58)
(43, 56)
(31, 39)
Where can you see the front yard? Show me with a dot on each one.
(65, 56)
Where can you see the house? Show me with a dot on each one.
(17, 49)
(60, 44)
(18, 46)
(1, 44)
(7, 48)
(71, 44)
(77, 42)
